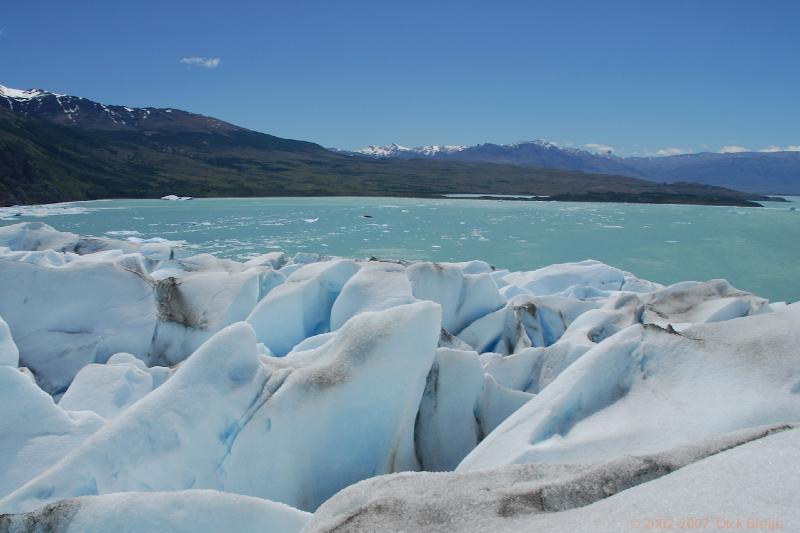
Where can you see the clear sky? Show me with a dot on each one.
(636, 75)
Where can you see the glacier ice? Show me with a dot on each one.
(172, 438)
(9, 353)
(447, 427)
(85, 326)
(35, 432)
(706, 380)
(190, 511)
(300, 307)
(136, 377)
(543, 497)
(110, 388)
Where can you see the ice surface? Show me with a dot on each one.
(35, 433)
(62, 317)
(561, 497)
(558, 278)
(9, 354)
(648, 388)
(497, 403)
(172, 439)
(290, 380)
(464, 297)
(224, 408)
(190, 511)
(370, 290)
(300, 307)
(751, 487)
(345, 410)
(447, 427)
(195, 305)
(111, 388)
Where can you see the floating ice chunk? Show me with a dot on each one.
(446, 428)
(189, 511)
(36, 433)
(668, 388)
(174, 198)
(9, 354)
(43, 210)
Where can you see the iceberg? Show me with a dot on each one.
(174, 198)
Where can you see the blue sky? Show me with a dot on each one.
(639, 76)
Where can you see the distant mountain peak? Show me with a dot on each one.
(25, 94)
(83, 113)
(433, 150)
(396, 150)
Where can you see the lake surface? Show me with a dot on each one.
(756, 249)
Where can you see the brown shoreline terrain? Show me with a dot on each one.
(57, 148)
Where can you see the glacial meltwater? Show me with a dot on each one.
(756, 249)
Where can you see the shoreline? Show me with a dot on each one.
(602, 198)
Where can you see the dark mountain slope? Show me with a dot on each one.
(46, 158)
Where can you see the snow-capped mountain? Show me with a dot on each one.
(431, 150)
(87, 114)
(395, 150)
(537, 153)
(763, 172)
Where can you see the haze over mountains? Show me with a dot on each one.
(763, 172)
(56, 147)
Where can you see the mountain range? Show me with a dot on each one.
(56, 147)
(761, 172)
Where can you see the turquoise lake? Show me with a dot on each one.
(756, 249)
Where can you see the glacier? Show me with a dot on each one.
(145, 388)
